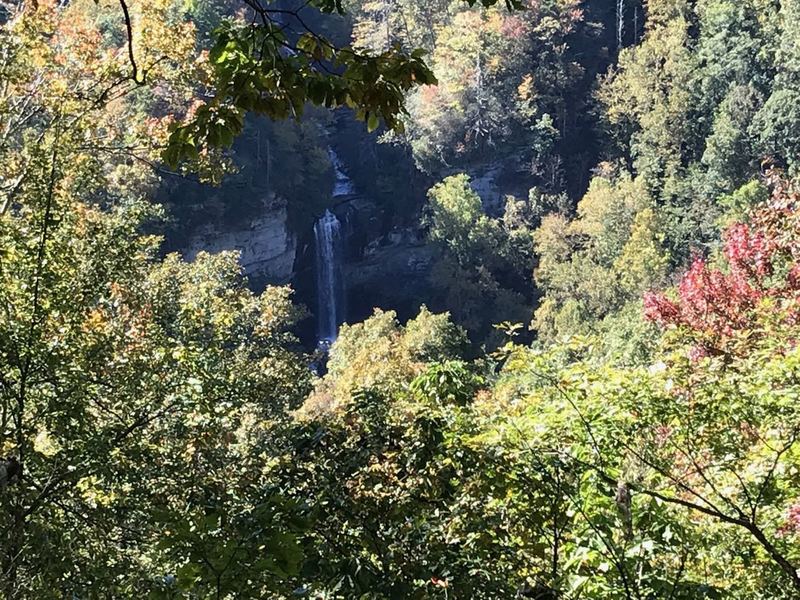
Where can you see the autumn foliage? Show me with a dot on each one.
(760, 267)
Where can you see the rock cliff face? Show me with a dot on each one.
(266, 245)
(391, 273)
(485, 183)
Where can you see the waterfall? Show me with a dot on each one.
(330, 288)
(343, 186)
(329, 240)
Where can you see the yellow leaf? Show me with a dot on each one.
(44, 444)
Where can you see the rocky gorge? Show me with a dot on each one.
(385, 261)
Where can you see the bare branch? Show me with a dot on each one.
(131, 56)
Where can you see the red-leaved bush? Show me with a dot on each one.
(792, 522)
(761, 260)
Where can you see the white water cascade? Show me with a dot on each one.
(329, 242)
(330, 289)
(343, 186)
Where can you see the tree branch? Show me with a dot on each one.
(131, 56)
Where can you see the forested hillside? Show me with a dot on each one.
(555, 247)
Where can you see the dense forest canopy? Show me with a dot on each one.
(600, 400)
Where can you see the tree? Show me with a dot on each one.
(481, 258)
(755, 293)
(655, 462)
(501, 79)
(380, 24)
(699, 103)
(647, 98)
(594, 265)
(383, 356)
(275, 63)
(132, 391)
